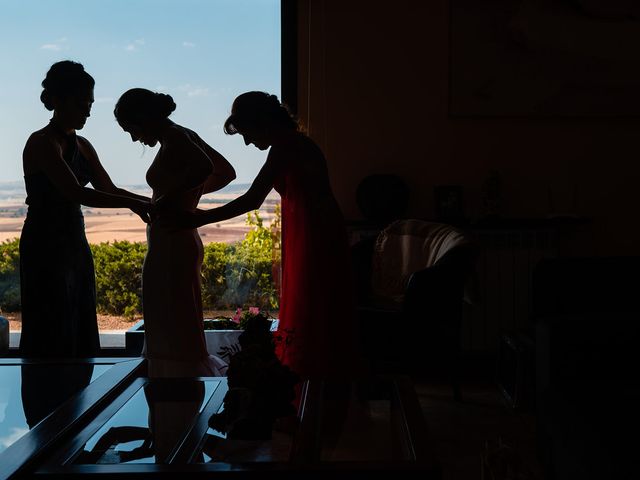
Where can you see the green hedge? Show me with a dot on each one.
(10, 275)
(118, 268)
(233, 275)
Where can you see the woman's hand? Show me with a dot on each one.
(143, 209)
(162, 203)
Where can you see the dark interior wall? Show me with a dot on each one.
(373, 91)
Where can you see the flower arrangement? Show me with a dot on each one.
(261, 388)
(241, 317)
(238, 321)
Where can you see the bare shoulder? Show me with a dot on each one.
(85, 145)
(299, 146)
(87, 149)
(176, 142)
(185, 145)
(41, 141)
(179, 135)
(187, 142)
(83, 141)
(40, 147)
(307, 145)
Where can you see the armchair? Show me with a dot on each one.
(410, 287)
(587, 388)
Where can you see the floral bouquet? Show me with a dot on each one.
(241, 317)
(261, 388)
(238, 321)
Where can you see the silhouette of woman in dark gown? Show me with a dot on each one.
(56, 266)
(316, 335)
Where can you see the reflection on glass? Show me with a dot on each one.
(351, 428)
(44, 390)
(98, 370)
(29, 393)
(364, 434)
(217, 447)
(150, 425)
(262, 392)
(12, 422)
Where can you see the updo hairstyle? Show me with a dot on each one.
(64, 79)
(139, 105)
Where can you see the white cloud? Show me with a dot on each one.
(162, 88)
(194, 91)
(133, 46)
(15, 434)
(188, 44)
(56, 45)
(198, 92)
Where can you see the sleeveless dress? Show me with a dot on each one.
(171, 297)
(316, 334)
(57, 278)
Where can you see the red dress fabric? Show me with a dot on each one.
(316, 335)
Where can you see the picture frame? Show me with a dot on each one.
(532, 58)
(448, 203)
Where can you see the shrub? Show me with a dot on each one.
(119, 277)
(10, 275)
(214, 273)
(243, 273)
(249, 269)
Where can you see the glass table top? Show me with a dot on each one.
(150, 425)
(355, 431)
(126, 423)
(30, 392)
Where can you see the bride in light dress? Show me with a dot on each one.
(184, 169)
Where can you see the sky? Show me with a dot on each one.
(202, 52)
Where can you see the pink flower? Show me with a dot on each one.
(236, 317)
(254, 311)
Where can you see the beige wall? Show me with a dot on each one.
(373, 91)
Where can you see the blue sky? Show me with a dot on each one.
(201, 52)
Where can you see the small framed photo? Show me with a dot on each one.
(449, 207)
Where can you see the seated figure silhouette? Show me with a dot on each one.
(382, 198)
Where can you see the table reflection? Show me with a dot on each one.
(127, 424)
(150, 425)
(43, 390)
(30, 392)
(217, 447)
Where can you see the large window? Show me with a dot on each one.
(203, 53)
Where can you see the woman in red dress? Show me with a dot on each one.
(316, 331)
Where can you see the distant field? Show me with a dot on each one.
(108, 224)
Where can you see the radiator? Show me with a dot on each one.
(503, 284)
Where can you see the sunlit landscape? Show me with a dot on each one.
(109, 224)
(203, 53)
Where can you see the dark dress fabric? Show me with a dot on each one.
(57, 278)
(316, 335)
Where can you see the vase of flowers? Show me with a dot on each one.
(224, 339)
(261, 389)
(221, 334)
